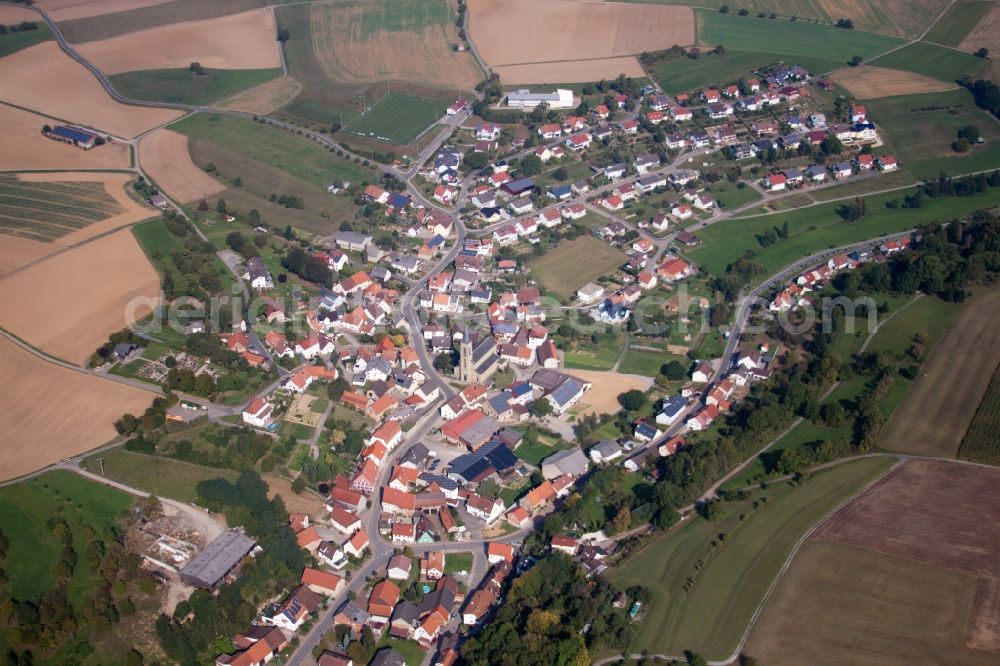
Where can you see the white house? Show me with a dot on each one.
(258, 413)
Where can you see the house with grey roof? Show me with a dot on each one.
(570, 461)
(605, 451)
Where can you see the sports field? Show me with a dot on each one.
(183, 86)
(925, 539)
(818, 227)
(981, 443)
(398, 118)
(931, 60)
(573, 264)
(958, 21)
(827, 47)
(704, 587)
(940, 406)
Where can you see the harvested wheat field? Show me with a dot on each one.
(603, 397)
(164, 156)
(906, 573)
(868, 82)
(307, 502)
(44, 79)
(68, 10)
(942, 402)
(560, 30)
(67, 305)
(16, 252)
(367, 42)
(238, 41)
(985, 34)
(11, 14)
(574, 71)
(26, 148)
(264, 98)
(52, 412)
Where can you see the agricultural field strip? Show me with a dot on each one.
(46, 211)
(980, 441)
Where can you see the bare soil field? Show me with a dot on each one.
(573, 71)
(68, 10)
(11, 14)
(26, 148)
(16, 252)
(986, 33)
(867, 82)
(44, 79)
(906, 573)
(351, 48)
(561, 30)
(264, 98)
(238, 41)
(942, 402)
(164, 156)
(52, 412)
(603, 397)
(308, 503)
(68, 305)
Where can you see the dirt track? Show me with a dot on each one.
(164, 155)
(44, 79)
(51, 412)
(940, 405)
(238, 41)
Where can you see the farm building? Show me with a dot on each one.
(525, 99)
(73, 135)
(211, 565)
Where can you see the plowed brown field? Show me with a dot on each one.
(264, 98)
(238, 41)
(985, 34)
(867, 82)
(44, 79)
(51, 413)
(67, 10)
(67, 305)
(573, 71)
(164, 156)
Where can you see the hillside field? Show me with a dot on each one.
(958, 21)
(398, 118)
(120, 18)
(727, 578)
(980, 443)
(46, 211)
(925, 537)
(164, 477)
(931, 60)
(183, 86)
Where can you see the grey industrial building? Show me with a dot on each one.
(217, 559)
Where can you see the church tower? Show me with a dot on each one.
(465, 367)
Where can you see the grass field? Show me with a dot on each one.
(46, 211)
(928, 316)
(109, 25)
(398, 118)
(456, 562)
(24, 509)
(157, 241)
(685, 74)
(890, 17)
(13, 42)
(903, 574)
(183, 86)
(931, 60)
(574, 263)
(164, 477)
(534, 453)
(958, 21)
(825, 46)
(296, 155)
(728, 577)
(584, 355)
(919, 129)
(319, 111)
(980, 443)
(940, 406)
(817, 227)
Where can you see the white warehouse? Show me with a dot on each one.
(525, 99)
